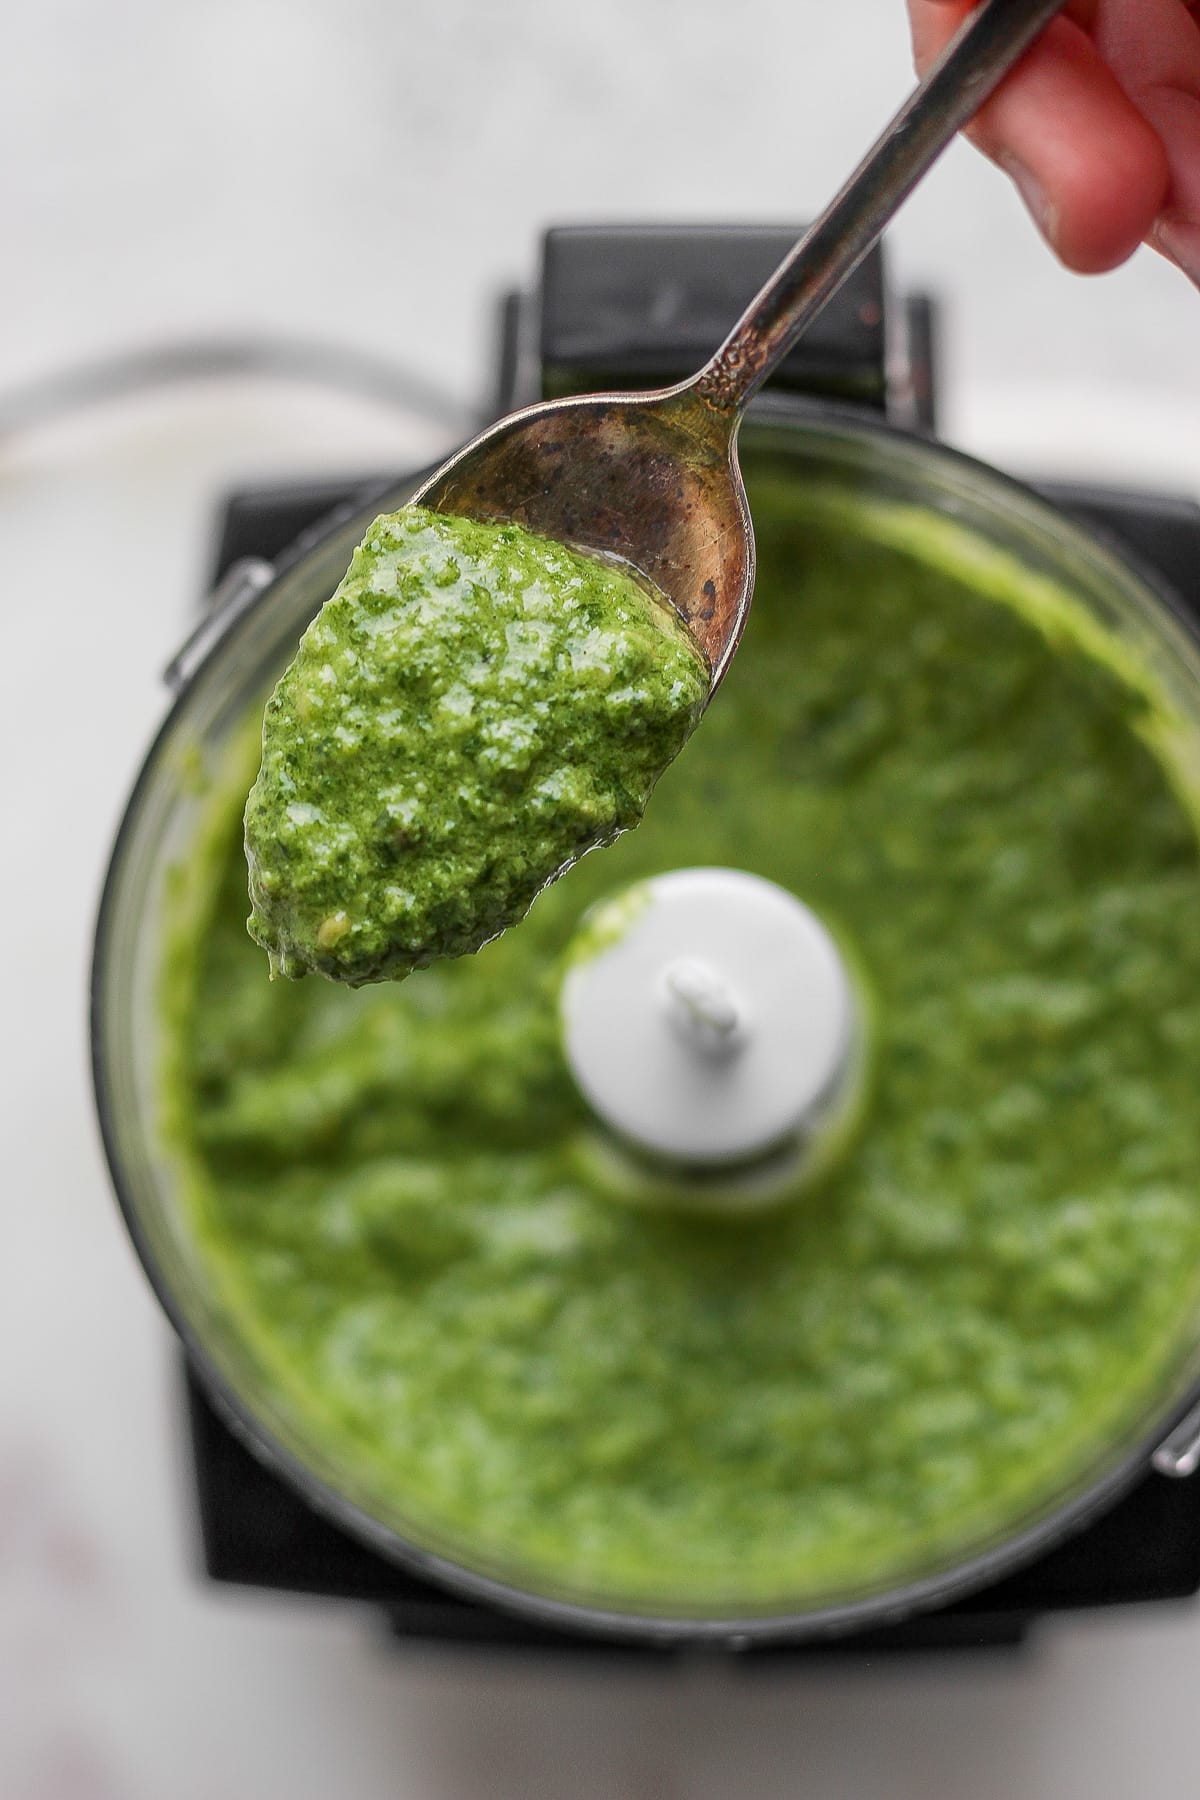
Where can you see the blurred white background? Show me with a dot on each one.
(373, 173)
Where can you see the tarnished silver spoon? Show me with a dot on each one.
(653, 477)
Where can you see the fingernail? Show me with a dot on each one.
(1032, 193)
(1179, 241)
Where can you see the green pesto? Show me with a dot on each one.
(422, 1244)
(472, 710)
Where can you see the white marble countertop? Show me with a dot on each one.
(372, 173)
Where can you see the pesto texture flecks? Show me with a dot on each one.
(399, 1198)
(472, 710)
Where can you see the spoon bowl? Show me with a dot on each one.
(648, 479)
(652, 478)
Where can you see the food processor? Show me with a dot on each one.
(854, 403)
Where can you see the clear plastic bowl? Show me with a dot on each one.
(225, 672)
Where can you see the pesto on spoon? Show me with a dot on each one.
(446, 743)
(473, 709)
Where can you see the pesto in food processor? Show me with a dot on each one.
(465, 1317)
(472, 710)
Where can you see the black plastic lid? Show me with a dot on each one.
(637, 305)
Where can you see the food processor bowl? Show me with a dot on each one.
(220, 681)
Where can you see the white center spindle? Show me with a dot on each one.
(714, 1022)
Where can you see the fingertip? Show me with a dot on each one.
(1091, 169)
(1100, 210)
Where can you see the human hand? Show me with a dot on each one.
(1098, 126)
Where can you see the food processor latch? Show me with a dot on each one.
(1179, 1454)
(639, 306)
(233, 594)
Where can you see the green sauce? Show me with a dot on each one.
(421, 1244)
(472, 710)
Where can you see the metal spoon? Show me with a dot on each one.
(653, 477)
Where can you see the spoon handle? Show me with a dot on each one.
(983, 50)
